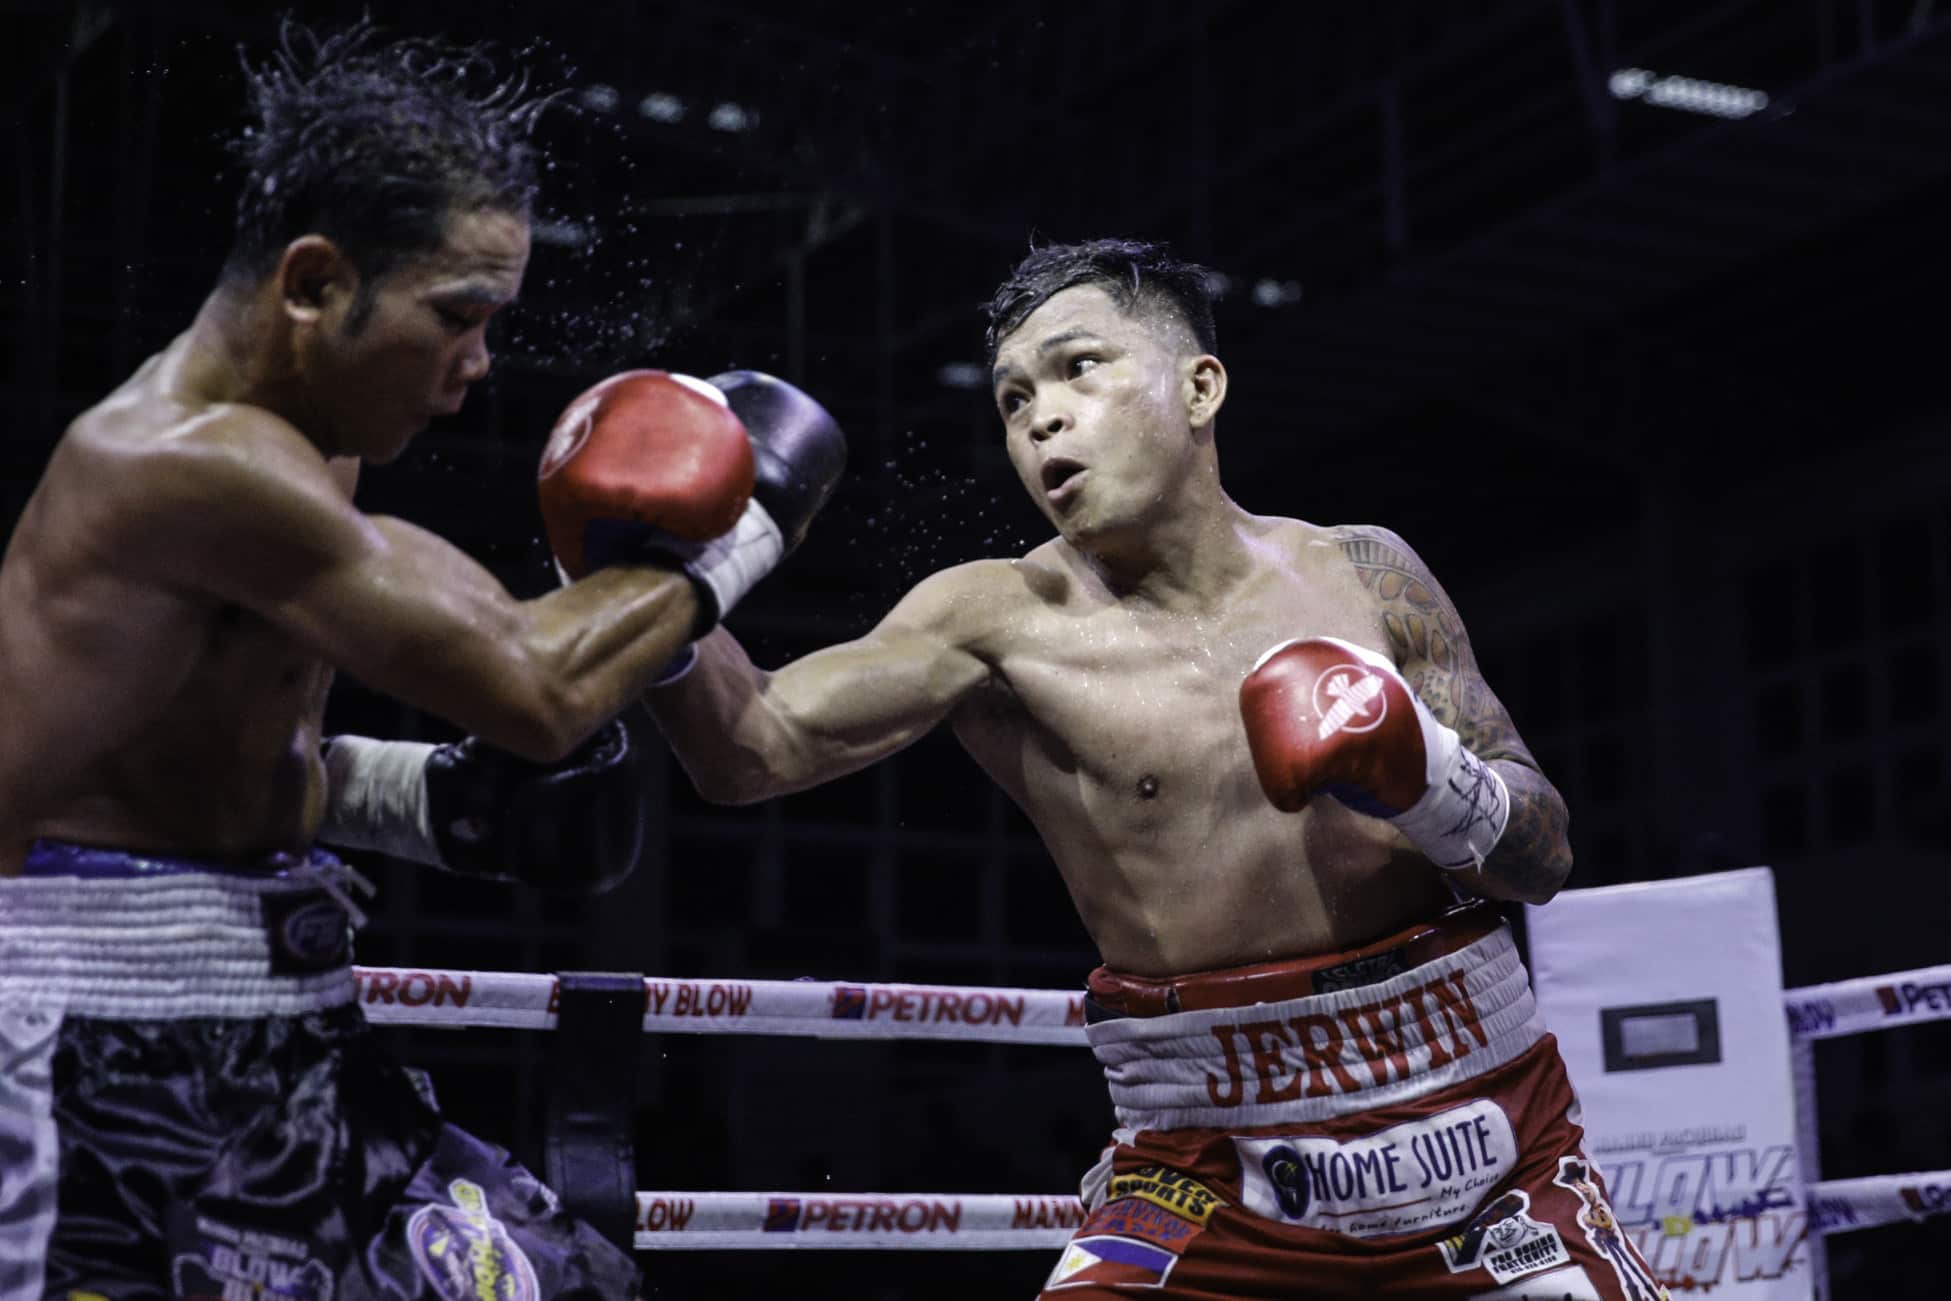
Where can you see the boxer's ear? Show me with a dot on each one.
(314, 276)
(1204, 389)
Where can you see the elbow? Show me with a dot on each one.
(1552, 872)
(729, 783)
(536, 738)
(542, 719)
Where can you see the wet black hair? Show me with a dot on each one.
(374, 144)
(1139, 278)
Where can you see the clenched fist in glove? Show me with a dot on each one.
(1325, 715)
(720, 476)
(576, 825)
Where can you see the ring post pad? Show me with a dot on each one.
(589, 1147)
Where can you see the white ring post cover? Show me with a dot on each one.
(1666, 998)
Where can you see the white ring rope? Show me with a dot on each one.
(1869, 1003)
(841, 1010)
(672, 1221)
(1004, 1222)
(822, 1009)
(841, 1221)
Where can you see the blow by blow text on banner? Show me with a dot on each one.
(1666, 1000)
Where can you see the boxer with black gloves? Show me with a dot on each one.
(194, 1102)
(1329, 1080)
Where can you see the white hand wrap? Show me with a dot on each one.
(1460, 817)
(376, 798)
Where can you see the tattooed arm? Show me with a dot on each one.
(1427, 639)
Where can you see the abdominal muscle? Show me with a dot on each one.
(1173, 855)
(1231, 890)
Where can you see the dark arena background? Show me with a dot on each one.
(1628, 316)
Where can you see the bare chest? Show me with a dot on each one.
(1143, 710)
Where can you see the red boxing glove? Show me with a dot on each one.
(1325, 715)
(642, 456)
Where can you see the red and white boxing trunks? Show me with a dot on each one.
(1390, 1121)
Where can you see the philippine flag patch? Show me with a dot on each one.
(1107, 1261)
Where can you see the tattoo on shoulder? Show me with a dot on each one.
(1428, 640)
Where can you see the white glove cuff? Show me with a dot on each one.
(731, 564)
(376, 798)
(1460, 817)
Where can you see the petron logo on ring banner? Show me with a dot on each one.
(1666, 999)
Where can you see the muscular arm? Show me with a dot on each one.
(746, 735)
(246, 512)
(1427, 639)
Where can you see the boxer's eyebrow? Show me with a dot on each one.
(1004, 372)
(470, 293)
(1071, 335)
(1045, 348)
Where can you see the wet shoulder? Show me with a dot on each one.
(973, 603)
(146, 461)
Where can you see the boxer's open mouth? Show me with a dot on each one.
(1061, 478)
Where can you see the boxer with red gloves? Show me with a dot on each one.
(719, 478)
(1298, 1027)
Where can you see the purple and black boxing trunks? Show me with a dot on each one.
(192, 1106)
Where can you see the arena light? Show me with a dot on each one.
(732, 117)
(1276, 293)
(962, 374)
(1688, 94)
(660, 107)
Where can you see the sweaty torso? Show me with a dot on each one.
(1115, 725)
(140, 712)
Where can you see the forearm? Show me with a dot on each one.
(1533, 857)
(598, 643)
(418, 620)
(719, 726)
(745, 735)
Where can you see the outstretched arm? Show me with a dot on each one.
(745, 735)
(1427, 640)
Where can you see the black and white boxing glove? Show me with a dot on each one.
(575, 826)
(798, 454)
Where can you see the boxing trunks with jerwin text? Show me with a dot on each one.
(192, 1106)
(1390, 1121)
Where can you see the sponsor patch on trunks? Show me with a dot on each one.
(308, 931)
(1106, 1260)
(1503, 1239)
(1132, 1217)
(214, 1261)
(1421, 1174)
(1602, 1230)
(464, 1251)
(1169, 1190)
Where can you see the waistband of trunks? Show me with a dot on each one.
(171, 939)
(1312, 1058)
(1112, 994)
